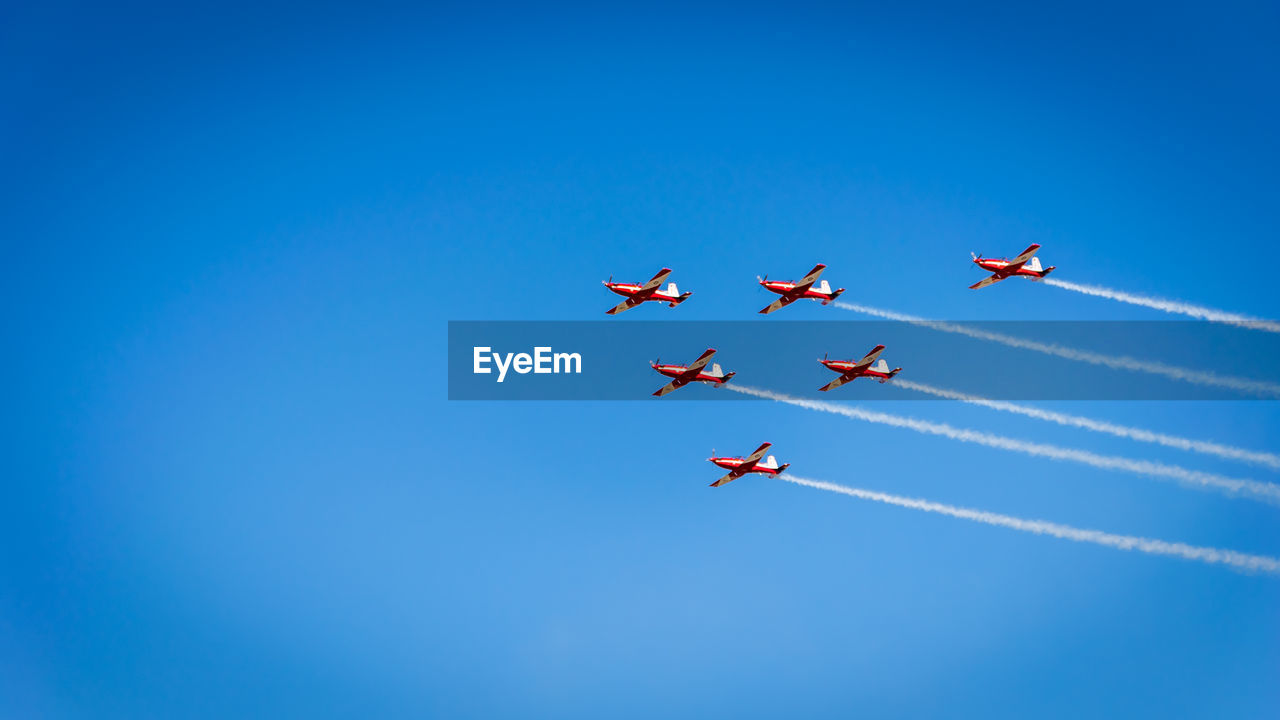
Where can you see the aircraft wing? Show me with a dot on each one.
(811, 278)
(701, 362)
(728, 478)
(669, 387)
(627, 304)
(986, 281)
(754, 457)
(781, 302)
(839, 381)
(1025, 256)
(656, 280)
(870, 357)
(690, 373)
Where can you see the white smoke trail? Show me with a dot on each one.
(1194, 478)
(1198, 376)
(1170, 306)
(1228, 452)
(1238, 560)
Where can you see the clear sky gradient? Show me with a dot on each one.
(234, 486)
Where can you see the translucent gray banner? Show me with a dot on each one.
(610, 360)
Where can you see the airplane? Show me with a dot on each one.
(849, 369)
(793, 291)
(636, 294)
(738, 467)
(685, 374)
(1026, 265)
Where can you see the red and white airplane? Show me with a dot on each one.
(849, 369)
(685, 374)
(793, 291)
(1026, 265)
(738, 467)
(649, 292)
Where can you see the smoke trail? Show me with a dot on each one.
(1270, 460)
(1198, 377)
(1238, 560)
(1194, 478)
(1170, 306)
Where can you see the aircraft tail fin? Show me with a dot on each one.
(1033, 264)
(769, 463)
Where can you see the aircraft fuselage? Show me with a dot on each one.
(733, 463)
(783, 287)
(844, 366)
(674, 371)
(629, 289)
(1001, 268)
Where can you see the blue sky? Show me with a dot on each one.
(235, 487)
